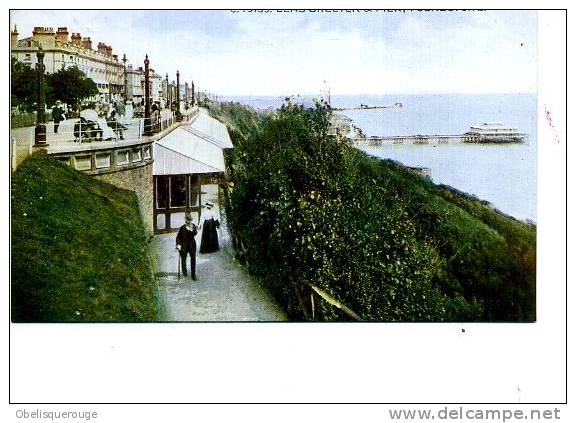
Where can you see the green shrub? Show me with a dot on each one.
(384, 241)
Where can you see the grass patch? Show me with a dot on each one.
(78, 248)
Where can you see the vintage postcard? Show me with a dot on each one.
(282, 165)
(382, 168)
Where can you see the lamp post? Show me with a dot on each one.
(40, 129)
(167, 99)
(192, 100)
(147, 120)
(178, 114)
(186, 95)
(124, 60)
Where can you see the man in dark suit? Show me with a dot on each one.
(186, 244)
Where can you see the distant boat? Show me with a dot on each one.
(493, 133)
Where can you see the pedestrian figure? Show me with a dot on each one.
(121, 111)
(156, 118)
(116, 126)
(58, 115)
(105, 107)
(209, 242)
(186, 244)
(129, 113)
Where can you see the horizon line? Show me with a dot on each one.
(378, 94)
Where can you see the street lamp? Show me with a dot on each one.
(168, 94)
(147, 120)
(178, 114)
(124, 60)
(40, 129)
(192, 100)
(186, 95)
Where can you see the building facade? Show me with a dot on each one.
(135, 82)
(62, 52)
(113, 77)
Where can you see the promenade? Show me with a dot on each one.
(22, 139)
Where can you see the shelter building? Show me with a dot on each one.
(184, 159)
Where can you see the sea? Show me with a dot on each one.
(505, 175)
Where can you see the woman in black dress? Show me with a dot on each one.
(209, 242)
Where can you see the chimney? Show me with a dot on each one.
(104, 49)
(87, 43)
(76, 39)
(45, 36)
(14, 38)
(62, 34)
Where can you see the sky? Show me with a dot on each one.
(289, 53)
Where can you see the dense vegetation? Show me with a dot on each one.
(392, 246)
(242, 121)
(68, 85)
(78, 248)
(23, 83)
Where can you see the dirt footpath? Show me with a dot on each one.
(223, 290)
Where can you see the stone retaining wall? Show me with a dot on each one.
(126, 165)
(139, 180)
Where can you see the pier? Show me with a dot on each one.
(440, 139)
(368, 107)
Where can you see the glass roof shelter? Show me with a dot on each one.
(182, 160)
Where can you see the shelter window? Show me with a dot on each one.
(162, 192)
(194, 191)
(178, 191)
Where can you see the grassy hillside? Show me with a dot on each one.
(489, 256)
(78, 248)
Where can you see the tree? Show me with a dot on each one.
(70, 86)
(23, 92)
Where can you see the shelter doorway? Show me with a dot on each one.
(173, 196)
